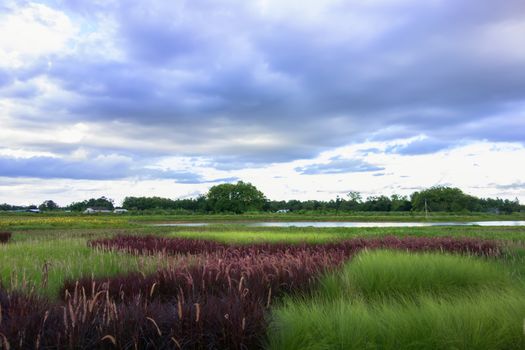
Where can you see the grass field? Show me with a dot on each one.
(377, 299)
(398, 300)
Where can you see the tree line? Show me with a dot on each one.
(244, 197)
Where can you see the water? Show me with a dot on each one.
(326, 224)
(192, 224)
(386, 224)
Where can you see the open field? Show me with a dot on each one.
(114, 282)
(76, 220)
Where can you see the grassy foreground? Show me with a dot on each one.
(378, 299)
(44, 265)
(392, 300)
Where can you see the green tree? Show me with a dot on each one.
(377, 203)
(102, 202)
(48, 205)
(442, 198)
(237, 198)
(400, 203)
(354, 201)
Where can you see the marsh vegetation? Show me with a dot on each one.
(113, 282)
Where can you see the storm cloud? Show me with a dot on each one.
(251, 84)
(320, 75)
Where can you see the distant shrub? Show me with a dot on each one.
(5, 237)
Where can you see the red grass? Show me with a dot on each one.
(171, 246)
(5, 237)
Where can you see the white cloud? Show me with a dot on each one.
(32, 31)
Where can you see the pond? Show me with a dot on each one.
(326, 224)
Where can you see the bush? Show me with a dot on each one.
(5, 237)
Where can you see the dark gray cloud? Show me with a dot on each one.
(94, 169)
(204, 74)
(338, 165)
(50, 167)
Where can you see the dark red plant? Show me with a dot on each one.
(5, 237)
(172, 246)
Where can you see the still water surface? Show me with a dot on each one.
(323, 224)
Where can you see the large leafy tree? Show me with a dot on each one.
(237, 198)
(102, 202)
(442, 198)
(48, 205)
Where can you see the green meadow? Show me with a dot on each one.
(377, 300)
(399, 300)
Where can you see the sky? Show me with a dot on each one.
(304, 99)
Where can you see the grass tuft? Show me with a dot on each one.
(396, 300)
(389, 274)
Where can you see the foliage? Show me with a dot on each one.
(146, 203)
(449, 199)
(102, 202)
(441, 198)
(48, 205)
(243, 197)
(235, 198)
(6, 207)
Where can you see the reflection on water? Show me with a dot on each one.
(387, 224)
(192, 224)
(322, 224)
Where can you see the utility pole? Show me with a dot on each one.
(426, 209)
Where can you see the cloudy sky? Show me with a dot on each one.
(305, 99)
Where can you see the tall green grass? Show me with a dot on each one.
(261, 236)
(394, 274)
(238, 232)
(485, 320)
(45, 265)
(394, 300)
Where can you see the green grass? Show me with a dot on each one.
(394, 300)
(394, 274)
(239, 233)
(22, 264)
(260, 236)
(485, 320)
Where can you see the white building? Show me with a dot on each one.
(96, 210)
